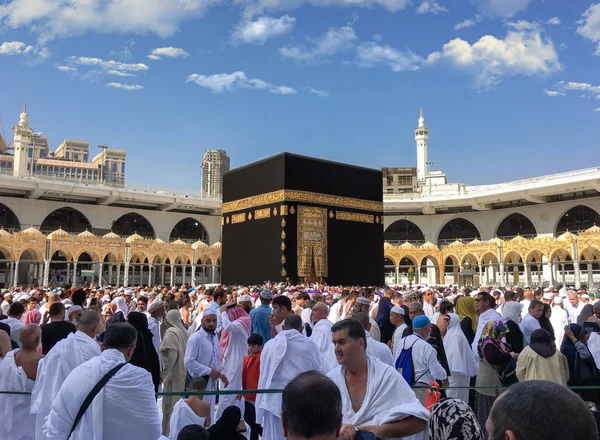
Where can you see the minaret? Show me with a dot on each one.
(22, 144)
(422, 138)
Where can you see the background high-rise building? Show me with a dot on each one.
(215, 163)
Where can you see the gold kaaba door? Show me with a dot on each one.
(312, 243)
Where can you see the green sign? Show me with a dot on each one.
(88, 273)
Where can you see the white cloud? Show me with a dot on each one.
(554, 21)
(253, 7)
(553, 93)
(335, 40)
(170, 52)
(259, 30)
(124, 53)
(127, 87)
(118, 73)
(15, 48)
(524, 51)
(66, 68)
(109, 65)
(597, 110)
(502, 8)
(319, 93)
(371, 54)
(221, 82)
(430, 7)
(587, 88)
(60, 18)
(469, 22)
(589, 25)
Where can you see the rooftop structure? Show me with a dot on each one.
(31, 157)
(215, 164)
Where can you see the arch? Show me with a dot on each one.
(31, 255)
(85, 257)
(110, 258)
(67, 218)
(7, 253)
(407, 261)
(469, 258)
(458, 229)
(513, 258)
(8, 219)
(534, 257)
(402, 231)
(560, 255)
(590, 254)
(189, 230)
(133, 223)
(579, 218)
(388, 260)
(489, 258)
(429, 257)
(515, 224)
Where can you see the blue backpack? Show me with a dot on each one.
(404, 364)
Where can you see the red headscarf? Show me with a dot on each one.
(32, 317)
(234, 314)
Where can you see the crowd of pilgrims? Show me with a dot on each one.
(382, 348)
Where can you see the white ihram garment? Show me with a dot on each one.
(64, 357)
(233, 362)
(16, 422)
(396, 338)
(124, 409)
(202, 354)
(181, 416)
(321, 336)
(379, 350)
(284, 357)
(461, 360)
(559, 319)
(388, 399)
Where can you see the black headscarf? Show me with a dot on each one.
(144, 355)
(453, 418)
(542, 343)
(586, 312)
(226, 426)
(117, 318)
(546, 324)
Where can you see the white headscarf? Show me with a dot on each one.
(121, 305)
(458, 351)
(512, 312)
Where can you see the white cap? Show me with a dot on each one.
(266, 294)
(240, 291)
(398, 310)
(208, 312)
(128, 292)
(558, 300)
(548, 296)
(244, 298)
(547, 289)
(364, 301)
(474, 293)
(585, 296)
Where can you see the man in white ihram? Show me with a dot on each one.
(375, 397)
(321, 335)
(283, 358)
(203, 356)
(64, 357)
(125, 408)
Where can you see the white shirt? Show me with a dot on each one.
(15, 328)
(529, 324)
(426, 366)
(379, 350)
(396, 338)
(5, 306)
(573, 312)
(202, 353)
(525, 309)
(428, 309)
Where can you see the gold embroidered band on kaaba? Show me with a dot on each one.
(287, 195)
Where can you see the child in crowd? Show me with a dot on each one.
(250, 376)
(190, 411)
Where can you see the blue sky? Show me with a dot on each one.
(510, 88)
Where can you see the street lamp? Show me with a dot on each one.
(34, 136)
(429, 163)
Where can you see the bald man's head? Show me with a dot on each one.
(319, 311)
(31, 336)
(363, 318)
(89, 323)
(293, 322)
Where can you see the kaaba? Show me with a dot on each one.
(290, 218)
